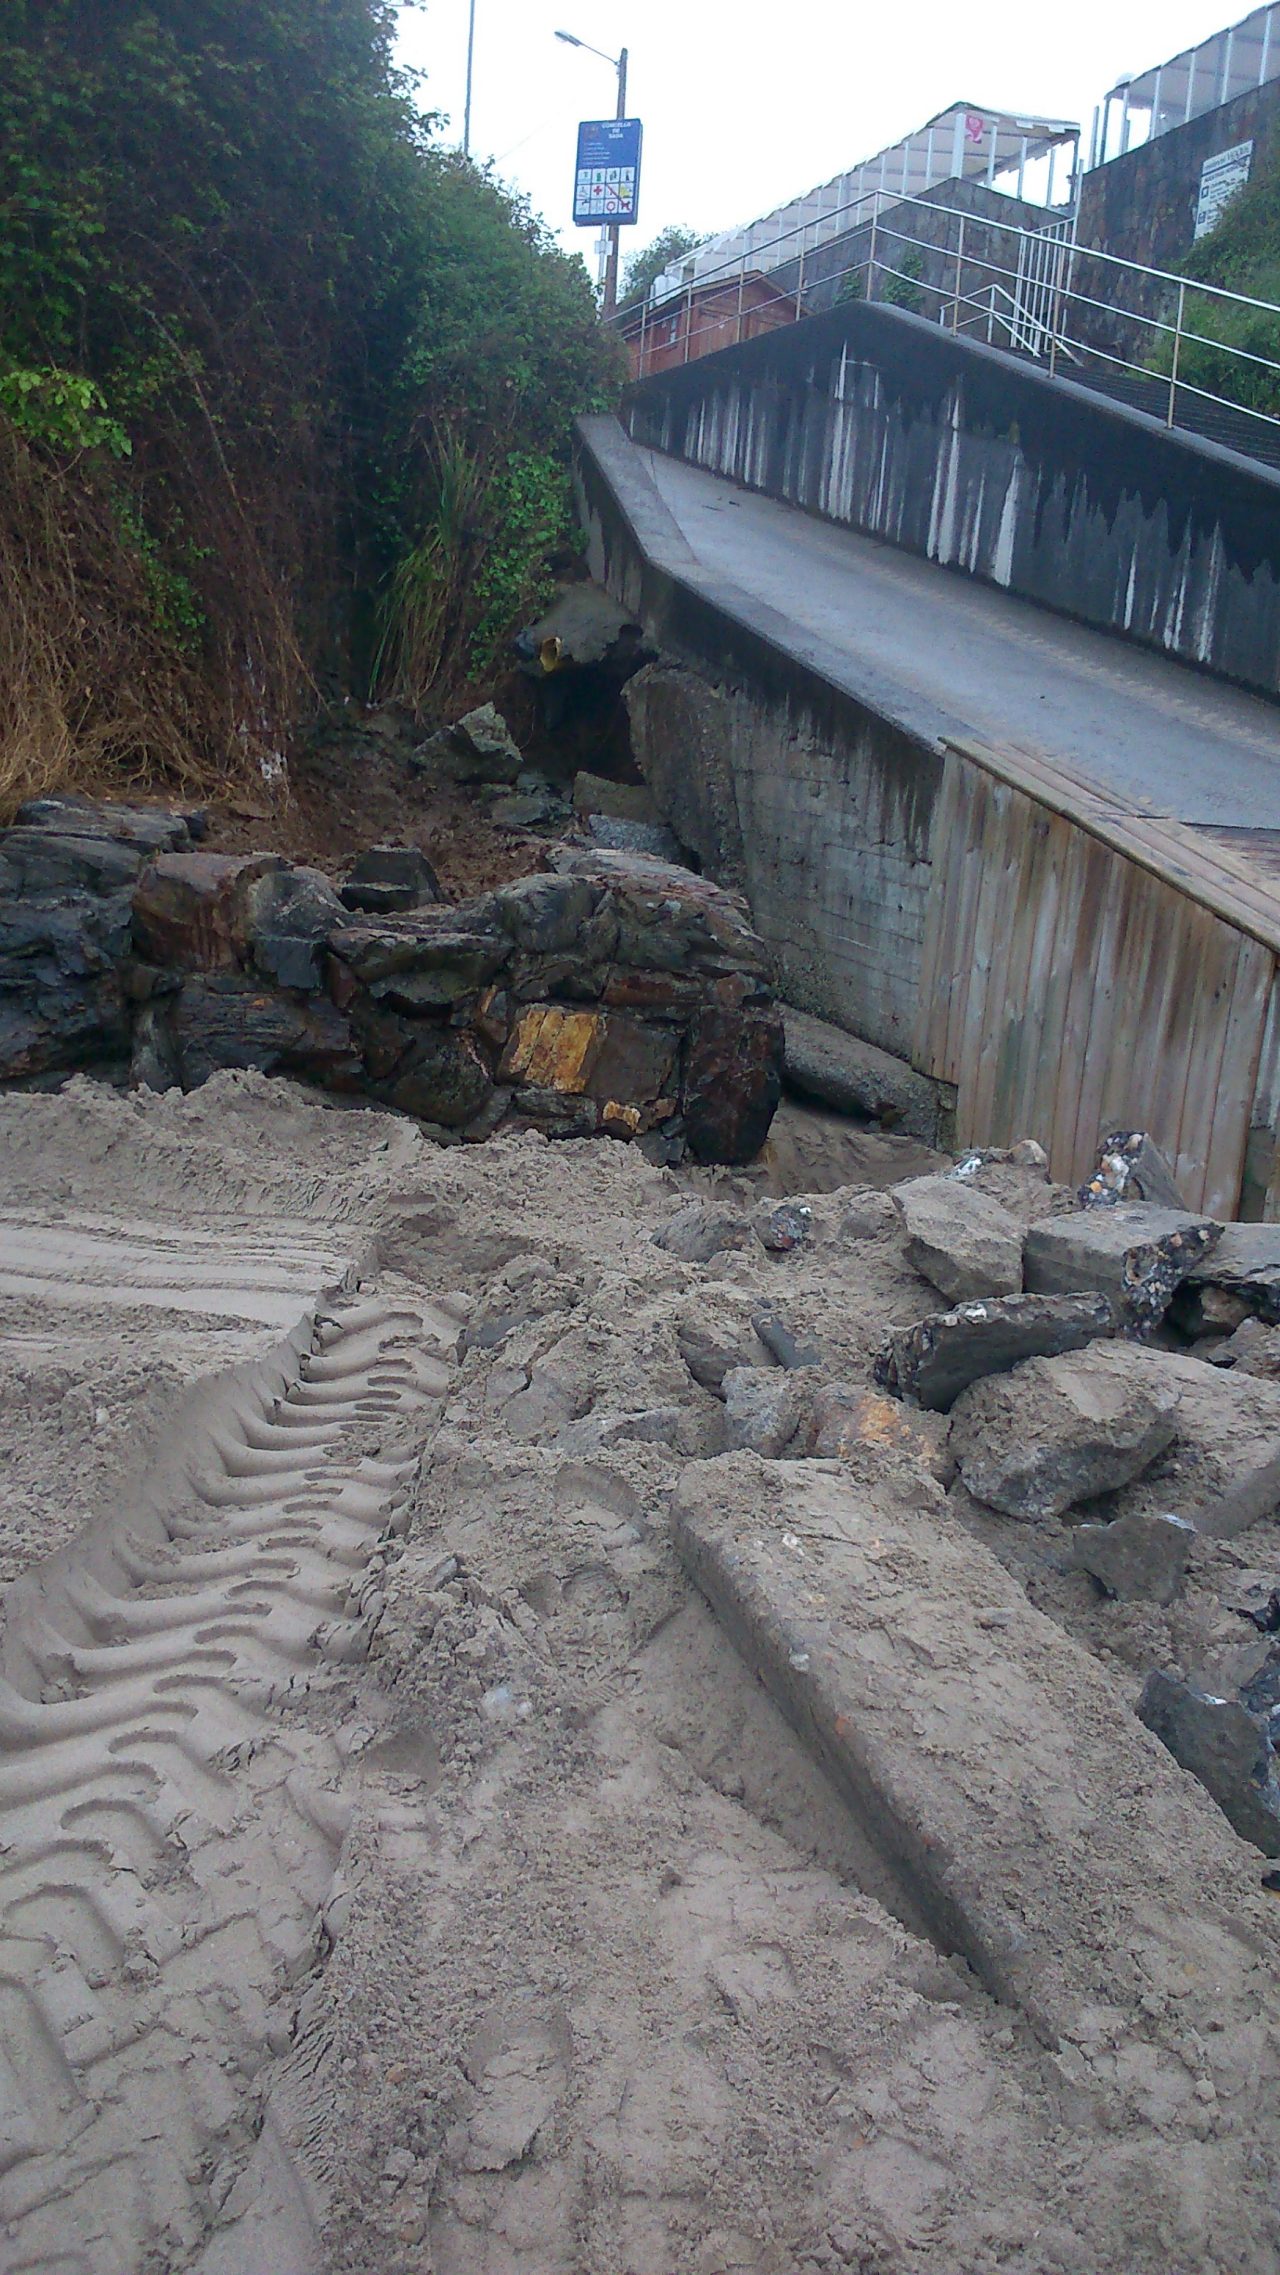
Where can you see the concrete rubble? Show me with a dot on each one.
(1135, 1253)
(837, 1069)
(960, 1240)
(937, 1358)
(1055, 1432)
(835, 1733)
(1138, 1557)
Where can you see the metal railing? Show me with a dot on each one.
(1017, 288)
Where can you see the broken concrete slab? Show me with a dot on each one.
(1130, 1167)
(1238, 1280)
(1134, 1253)
(1224, 1469)
(762, 1411)
(1253, 1350)
(1224, 1746)
(1141, 1558)
(1057, 1431)
(1039, 1832)
(966, 1245)
(939, 1357)
(840, 1070)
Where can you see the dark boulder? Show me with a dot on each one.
(193, 911)
(1223, 1745)
(939, 1357)
(389, 878)
(228, 1019)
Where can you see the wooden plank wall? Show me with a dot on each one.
(1066, 990)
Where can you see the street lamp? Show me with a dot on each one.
(616, 63)
(471, 57)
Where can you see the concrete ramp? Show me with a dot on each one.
(1037, 862)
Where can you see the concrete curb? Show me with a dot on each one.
(1032, 1822)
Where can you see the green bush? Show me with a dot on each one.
(242, 295)
(1243, 255)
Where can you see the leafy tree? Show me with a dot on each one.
(644, 268)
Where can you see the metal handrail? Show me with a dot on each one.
(1048, 290)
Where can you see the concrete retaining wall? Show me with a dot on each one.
(815, 798)
(882, 421)
(1055, 963)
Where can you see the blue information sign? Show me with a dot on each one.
(606, 187)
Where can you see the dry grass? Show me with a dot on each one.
(94, 694)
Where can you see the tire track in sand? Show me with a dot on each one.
(173, 1821)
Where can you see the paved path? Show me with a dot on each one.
(967, 658)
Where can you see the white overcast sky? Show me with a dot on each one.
(746, 105)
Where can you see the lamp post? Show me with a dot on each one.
(471, 57)
(616, 63)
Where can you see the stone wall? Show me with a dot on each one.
(980, 462)
(608, 994)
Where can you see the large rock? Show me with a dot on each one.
(289, 915)
(959, 1239)
(619, 801)
(762, 1411)
(1223, 1745)
(939, 1357)
(732, 1083)
(152, 829)
(47, 861)
(229, 1019)
(387, 878)
(66, 875)
(837, 1069)
(848, 1422)
(192, 911)
(1140, 1557)
(62, 998)
(1134, 1253)
(422, 962)
(682, 738)
(477, 748)
(1239, 1279)
(1057, 1431)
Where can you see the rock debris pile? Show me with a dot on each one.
(553, 1766)
(609, 993)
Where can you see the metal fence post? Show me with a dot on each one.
(688, 323)
(644, 326)
(955, 309)
(1177, 354)
(871, 255)
(742, 286)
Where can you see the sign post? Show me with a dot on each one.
(606, 188)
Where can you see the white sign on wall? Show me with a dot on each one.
(1221, 178)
